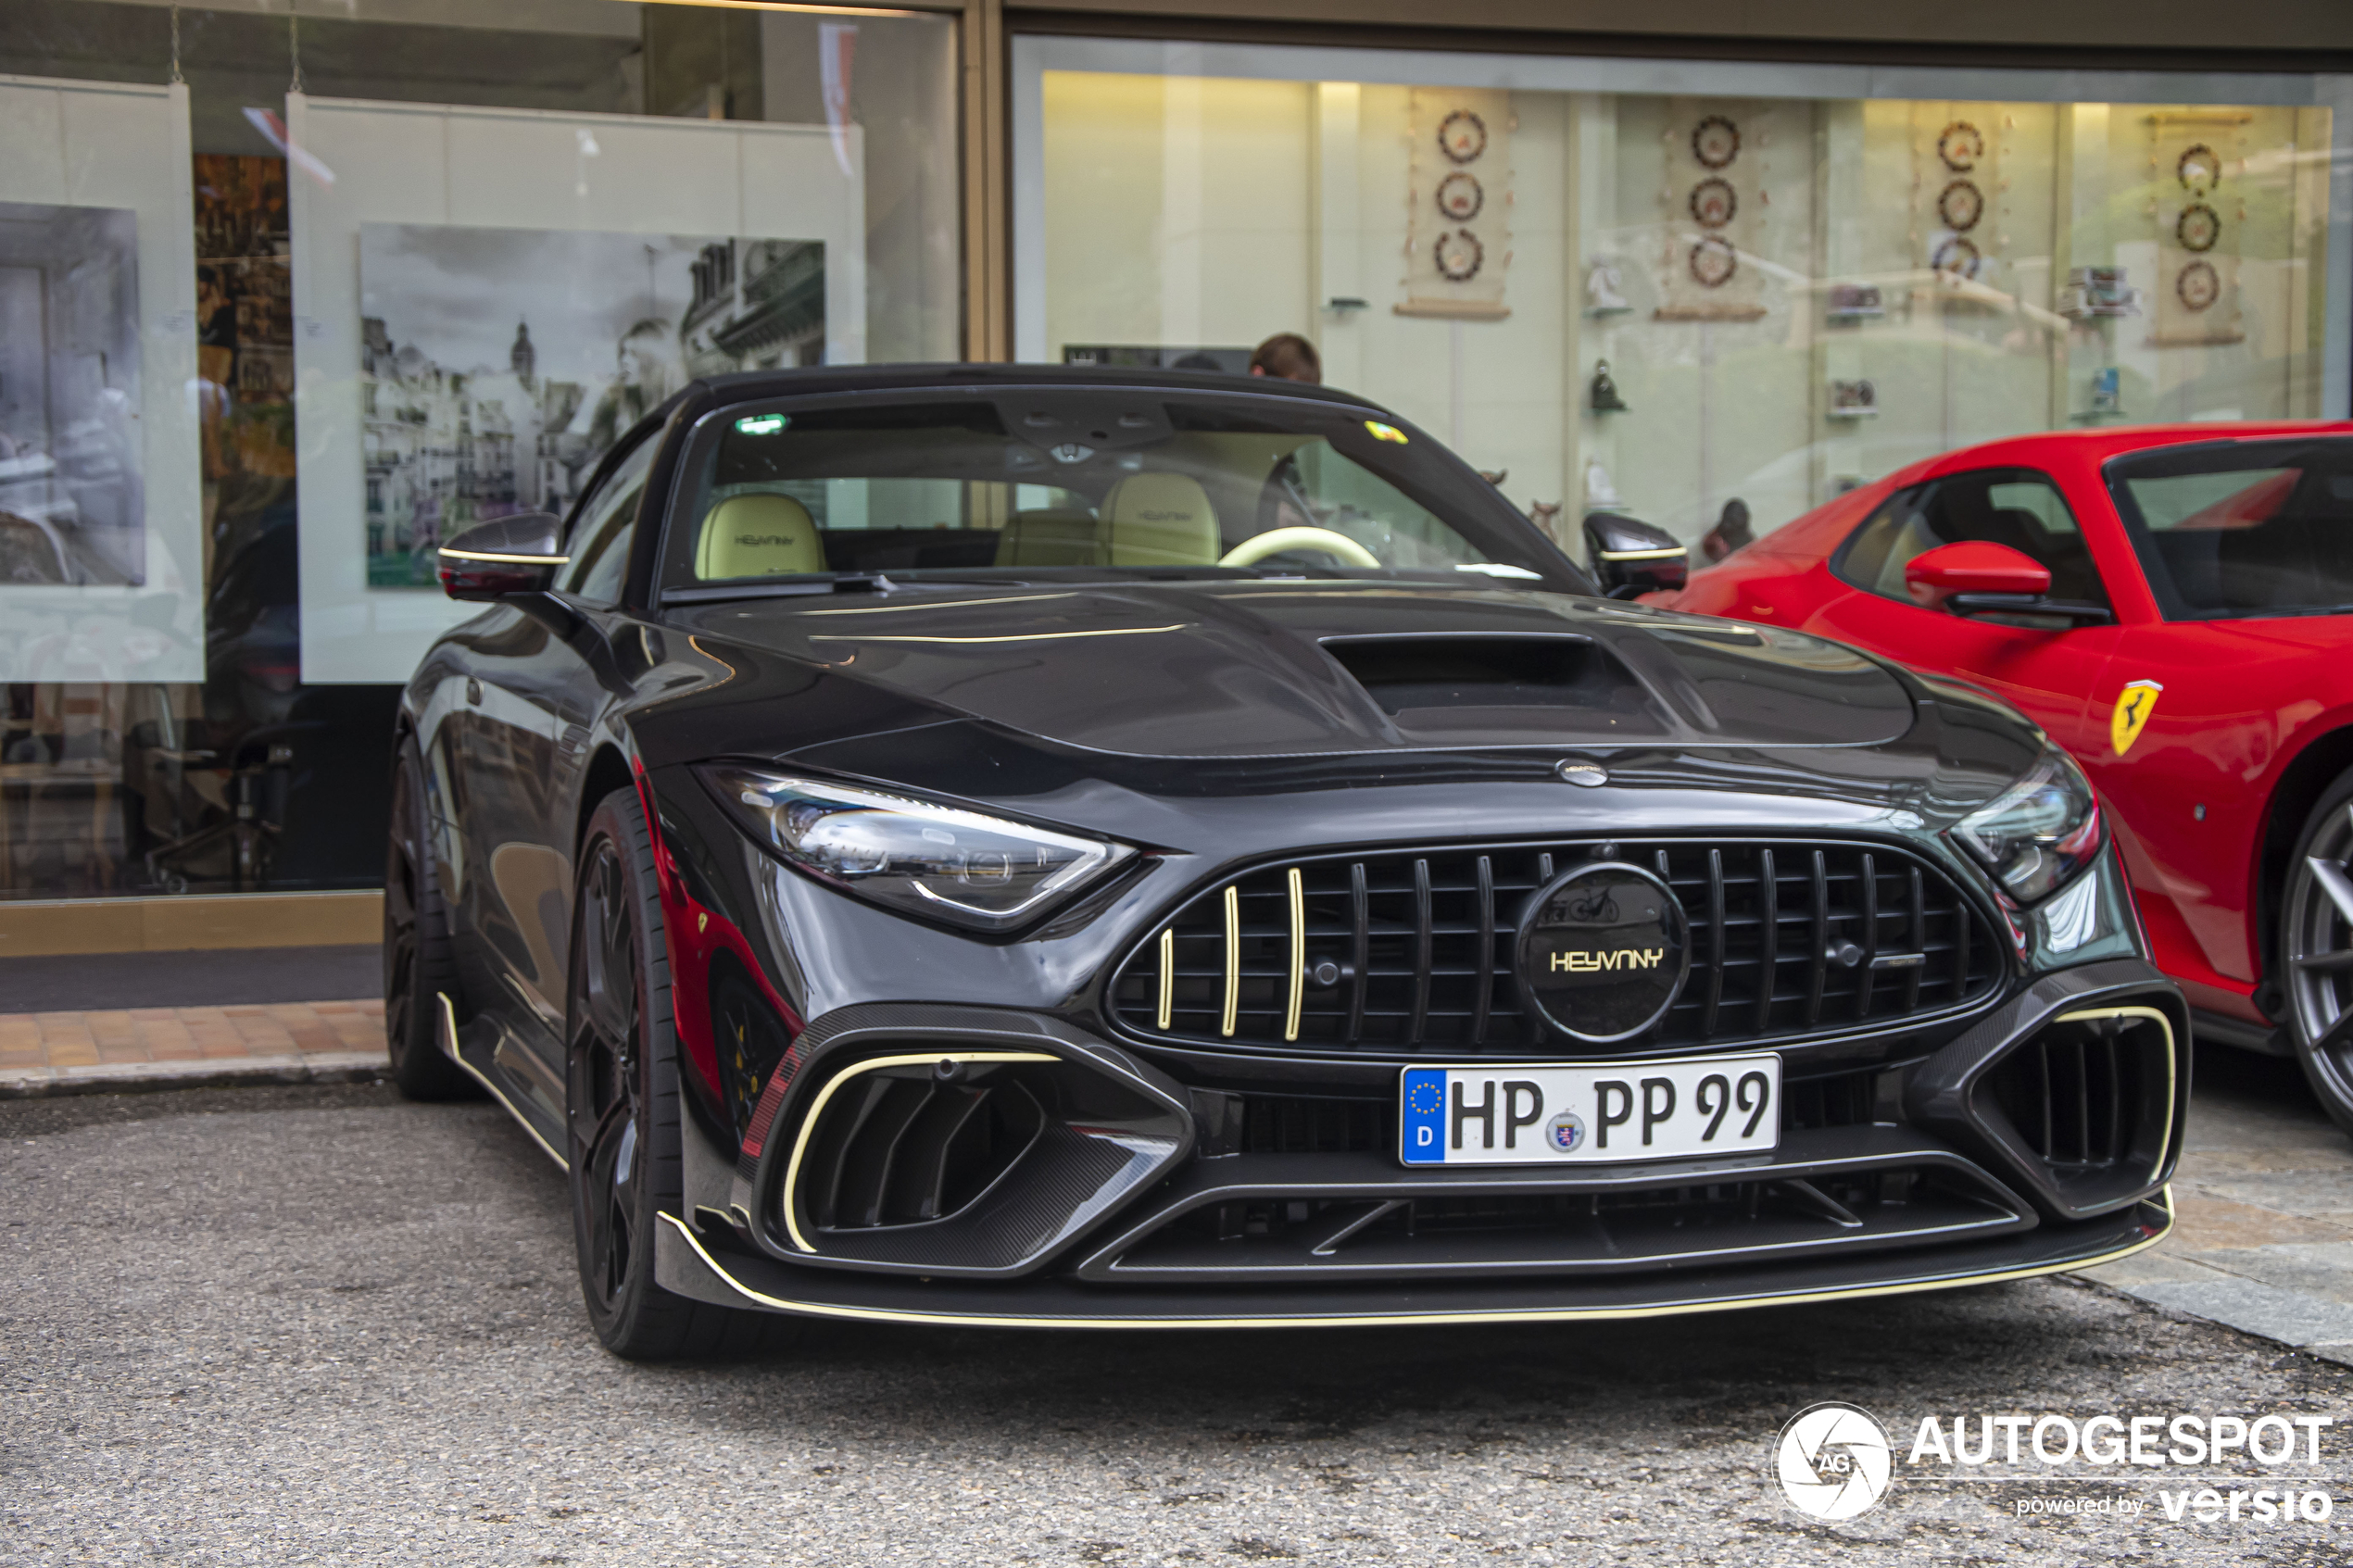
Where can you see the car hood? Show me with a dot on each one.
(1261, 669)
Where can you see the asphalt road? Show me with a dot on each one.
(300, 1325)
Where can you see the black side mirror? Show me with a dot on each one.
(505, 555)
(1632, 557)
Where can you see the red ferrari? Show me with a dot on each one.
(2174, 606)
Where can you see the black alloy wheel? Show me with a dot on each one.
(623, 1109)
(2316, 950)
(418, 964)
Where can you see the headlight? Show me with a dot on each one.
(935, 861)
(2041, 832)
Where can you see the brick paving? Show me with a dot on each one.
(277, 1032)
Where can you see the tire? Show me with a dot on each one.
(2316, 950)
(418, 964)
(623, 1107)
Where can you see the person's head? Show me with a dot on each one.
(1734, 523)
(1287, 356)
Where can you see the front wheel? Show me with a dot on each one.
(624, 1107)
(2316, 950)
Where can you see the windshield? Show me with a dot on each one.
(1085, 482)
(2242, 528)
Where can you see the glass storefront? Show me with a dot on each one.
(284, 299)
(290, 290)
(1710, 296)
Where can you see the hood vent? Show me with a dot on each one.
(1419, 680)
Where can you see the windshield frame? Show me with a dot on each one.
(2158, 462)
(1474, 508)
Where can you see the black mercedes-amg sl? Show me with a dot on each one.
(1001, 844)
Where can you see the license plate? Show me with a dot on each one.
(1589, 1115)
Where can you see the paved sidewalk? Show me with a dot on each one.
(2264, 1235)
(63, 1052)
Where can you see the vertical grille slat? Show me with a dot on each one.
(1421, 952)
(1960, 954)
(1817, 969)
(1424, 943)
(1483, 984)
(2083, 1101)
(1716, 941)
(1870, 936)
(1913, 975)
(2114, 1147)
(1360, 947)
(1769, 959)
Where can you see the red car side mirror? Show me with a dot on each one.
(1974, 566)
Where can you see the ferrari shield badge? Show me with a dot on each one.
(2134, 706)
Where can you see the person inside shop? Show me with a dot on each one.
(1731, 531)
(1287, 356)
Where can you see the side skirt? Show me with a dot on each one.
(477, 1047)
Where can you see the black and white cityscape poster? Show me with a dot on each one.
(498, 364)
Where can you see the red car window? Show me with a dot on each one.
(2020, 507)
(2242, 528)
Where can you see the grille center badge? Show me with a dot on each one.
(1603, 951)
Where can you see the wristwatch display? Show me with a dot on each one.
(1961, 206)
(1960, 146)
(2199, 169)
(1460, 195)
(1459, 256)
(1957, 257)
(2198, 227)
(2199, 286)
(1712, 262)
(1716, 141)
(1714, 202)
(1462, 136)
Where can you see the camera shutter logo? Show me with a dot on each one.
(1833, 1462)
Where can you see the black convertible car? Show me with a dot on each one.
(1098, 848)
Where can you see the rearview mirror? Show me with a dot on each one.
(1977, 577)
(505, 555)
(1632, 557)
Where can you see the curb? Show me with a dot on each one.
(143, 1077)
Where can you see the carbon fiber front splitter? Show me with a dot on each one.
(692, 1264)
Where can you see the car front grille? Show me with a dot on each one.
(1411, 953)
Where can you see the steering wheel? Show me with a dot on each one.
(1275, 541)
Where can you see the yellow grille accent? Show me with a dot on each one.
(1167, 976)
(1233, 958)
(1298, 956)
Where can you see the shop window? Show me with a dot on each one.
(475, 362)
(1693, 308)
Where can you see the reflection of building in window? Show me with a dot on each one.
(759, 305)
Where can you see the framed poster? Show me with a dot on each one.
(484, 299)
(101, 500)
(499, 366)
